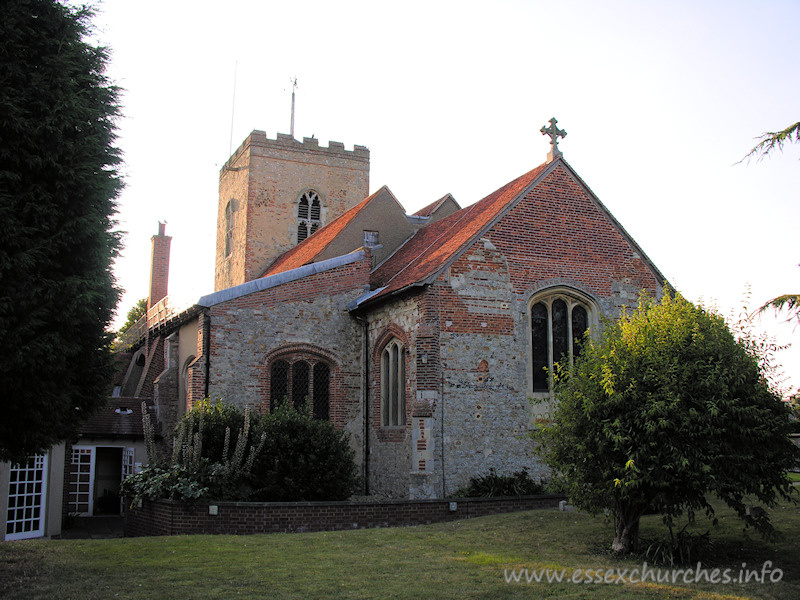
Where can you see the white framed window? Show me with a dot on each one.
(393, 384)
(27, 498)
(128, 465)
(559, 320)
(309, 214)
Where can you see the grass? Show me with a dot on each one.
(463, 559)
(794, 476)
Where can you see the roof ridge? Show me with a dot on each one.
(433, 247)
(466, 210)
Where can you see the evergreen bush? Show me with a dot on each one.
(303, 459)
(493, 485)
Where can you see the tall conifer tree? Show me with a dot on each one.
(58, 188)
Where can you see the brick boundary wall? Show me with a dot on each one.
(171, 517)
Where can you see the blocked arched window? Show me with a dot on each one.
(309, 214)
(559, 322)
(230, 210)
(301, 380)
(393, 384)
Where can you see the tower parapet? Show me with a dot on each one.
(286, 141)
(275, 192)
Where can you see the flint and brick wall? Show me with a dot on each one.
(168, 517)
(306, 317)
(477, 314)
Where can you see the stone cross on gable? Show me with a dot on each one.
(554, 132)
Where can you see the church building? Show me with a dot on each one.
(425, 336)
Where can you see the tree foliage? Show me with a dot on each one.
(58, 185)
(769, 141)
(136, 312)
(663, 409)
(788, 302)
(774, 140)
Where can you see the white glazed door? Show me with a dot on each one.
(27, 499)
(81, 481)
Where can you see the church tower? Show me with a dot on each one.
(275, 193)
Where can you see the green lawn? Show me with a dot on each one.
(465, 559)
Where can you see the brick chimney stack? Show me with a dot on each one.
(159, 266)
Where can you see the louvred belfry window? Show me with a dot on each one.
(301, 381)
(309, 214)
(558, 325)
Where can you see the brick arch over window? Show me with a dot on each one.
(297, 372)
(309, 213)
(390, 384)
(558, 317)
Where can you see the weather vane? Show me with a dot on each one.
(554, 132)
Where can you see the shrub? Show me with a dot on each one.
(493, 484)
(202, 464)
(211, 420)
(303, 459)
(219, 453)
(681, 548)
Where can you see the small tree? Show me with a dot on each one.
(663, 409)
(136, 312)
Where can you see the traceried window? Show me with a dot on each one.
(229, 219)
(309, 211)
(300, 381)
(393, 385)
(558, 325)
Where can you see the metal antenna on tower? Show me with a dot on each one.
(233, 106)
(294, 87)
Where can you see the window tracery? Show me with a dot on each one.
(309, 214)
(301, 380)
(393, 384)
(559, 322)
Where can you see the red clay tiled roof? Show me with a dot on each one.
(427, 211)
(433, 246)
(108, 423)
(307, 250)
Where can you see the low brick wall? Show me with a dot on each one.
(170, 517)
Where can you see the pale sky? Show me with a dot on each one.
(660, 100)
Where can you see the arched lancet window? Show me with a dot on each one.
(309, 214)
(301, 380)
(558, 325)
(393, 384)
(230, 211)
